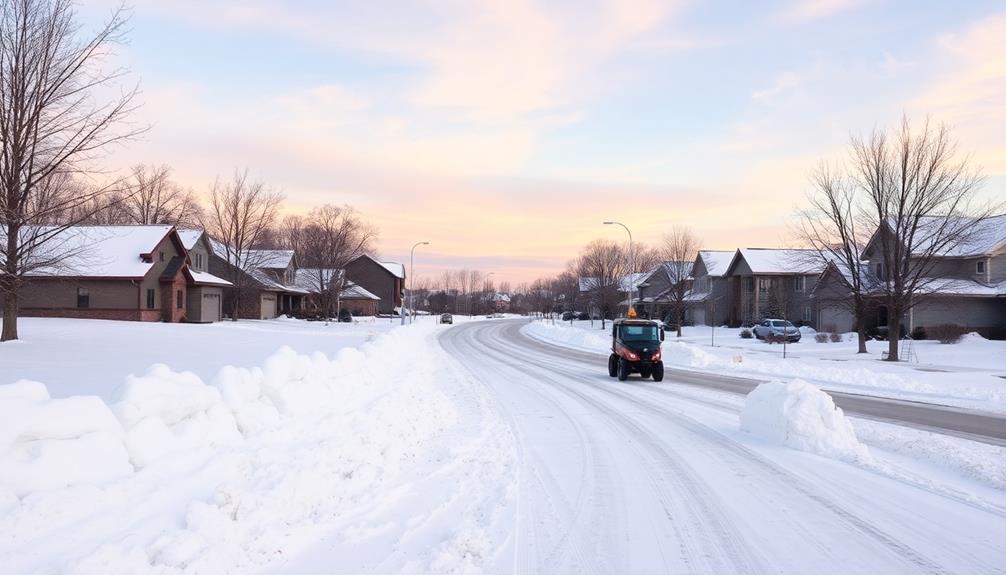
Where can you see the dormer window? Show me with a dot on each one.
(980, 267)
(879, 270)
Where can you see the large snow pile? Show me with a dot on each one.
(183, 476)
(799, 415)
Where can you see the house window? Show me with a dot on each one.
(83, 297)
(799, 283)
(179, 299)
(150, 299)
(879, 269)
(199, 261)
(980, 267)
(748, 284)
(806, 313)
(763, 284)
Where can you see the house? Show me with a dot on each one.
(136, 273)
(386, 280)
(264, 281)
(708, 300)
(769, 282)
(354, 298)
(204, 301)
(655, 289)
(965, 284)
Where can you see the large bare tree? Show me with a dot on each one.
(239, 215)
(325, 241)
(156, 199)
(836, 231)
(60, 108)
(916, 197)
(679, 249)
(601, 267)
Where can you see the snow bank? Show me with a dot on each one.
(559, 334)
(232, 475)
(801, 416)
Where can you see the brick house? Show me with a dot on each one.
(386, 280)
(137, 273)
(769, 282)
(205, 291)
(353, 297)
(264, 284)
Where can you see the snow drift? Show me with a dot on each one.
(182, 476)
(800, 415)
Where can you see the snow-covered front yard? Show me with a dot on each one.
(259, 446)
(969, 374)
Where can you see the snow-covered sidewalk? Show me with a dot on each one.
(970, 374)
(381, 455)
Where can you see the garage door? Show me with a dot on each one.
(268, 306)
(211, 308)
(699, 316)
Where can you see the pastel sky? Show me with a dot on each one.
(505, 131)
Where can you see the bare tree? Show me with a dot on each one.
(155, 199)
(836, 232)
(679, 249)
(326, 241)
(917, 198)
(601, 267)
(59, 109)
(239, 215)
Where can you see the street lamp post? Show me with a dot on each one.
(412, 281)
(632, 259)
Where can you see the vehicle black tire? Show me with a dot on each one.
(645, 373)
(623, 370)
(612, 365)
(658, 372)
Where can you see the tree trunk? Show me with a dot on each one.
(860, 314)
(861, 334)
(893, 330)
(237, 304)
(9, 316)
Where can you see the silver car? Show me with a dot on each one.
(777, 328)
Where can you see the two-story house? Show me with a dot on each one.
(386, 280)
(708, 300)
(770, 282)
(964, 283)
(264, 281)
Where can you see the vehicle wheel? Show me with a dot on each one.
(658, 372)
(612, 365)
(645, 373)
(623, 370)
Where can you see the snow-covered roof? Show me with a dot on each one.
(99, 251)
(963, 287)
(309, 278)
(768, 261)
(356, 291)
(985, 238)
(190, 237)
(396, 269)
(716, 261)
(203, 278)
(501, 297)
(270, 259)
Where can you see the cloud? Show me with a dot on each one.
(969, 91)
(803, 11)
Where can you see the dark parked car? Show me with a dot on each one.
(583, 316)
(345, 315)
(446, 318)
(777, 328)
(568, 316)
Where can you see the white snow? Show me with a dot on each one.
(801, 416)
(257, 466)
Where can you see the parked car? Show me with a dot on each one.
(635, 348)
(446, 318)
(568, 316)
(777, 328)
(583, 316)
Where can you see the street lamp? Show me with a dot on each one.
(632, 259)
(412, 281)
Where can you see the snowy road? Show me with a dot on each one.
(651, 478)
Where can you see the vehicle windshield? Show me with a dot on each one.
(780, 323)
(639, 333)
